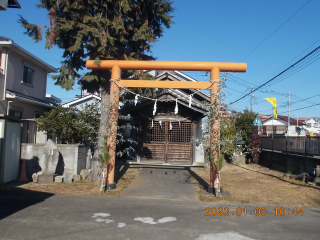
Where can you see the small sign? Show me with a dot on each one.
(257, 122)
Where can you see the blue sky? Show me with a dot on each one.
(268, 35)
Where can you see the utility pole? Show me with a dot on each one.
(288, 95)
(251, 98)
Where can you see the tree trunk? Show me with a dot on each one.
(103, 130)
(104, 119)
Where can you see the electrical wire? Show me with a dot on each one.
(275, 30)
(281, 73)
(305, 99)
(297, 55)
(302, 108)
(266, 88)
(298, 69)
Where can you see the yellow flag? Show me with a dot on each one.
(273, 101)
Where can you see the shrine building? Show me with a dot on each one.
(167, 136)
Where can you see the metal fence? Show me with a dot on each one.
(301, 145)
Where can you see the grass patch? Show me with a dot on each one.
(82, 187)
(250, 184)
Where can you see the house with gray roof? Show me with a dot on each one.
(23, 84)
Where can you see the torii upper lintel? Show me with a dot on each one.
(168, 65)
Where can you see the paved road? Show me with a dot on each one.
(34, 215)
(162, 183)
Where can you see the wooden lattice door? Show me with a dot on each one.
(165, 143)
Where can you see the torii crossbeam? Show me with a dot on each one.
(117, 65)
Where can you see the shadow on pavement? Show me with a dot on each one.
(120, 170)
(12, 201)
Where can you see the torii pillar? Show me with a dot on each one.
(214, 125)
(117, 65)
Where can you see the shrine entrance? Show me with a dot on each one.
(165, 143)
(116, 66)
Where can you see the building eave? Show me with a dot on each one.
(68, 104)
(18, 97)
(53, 98)
(11, 45)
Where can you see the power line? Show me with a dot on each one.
(304, 83)
(298, 69)
(238, 83)
(290, 103)
(249, 84)
(305, 99)
(234, 90)
(298, 55)
(304, 107)
(242, 81)
(284, 71)
(275, 30)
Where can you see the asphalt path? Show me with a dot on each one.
(162, 183)
(35, 215)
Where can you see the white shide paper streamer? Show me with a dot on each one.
(176, 108)
(155, 107)
(190, 100)
(136, 99)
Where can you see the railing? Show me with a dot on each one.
(301, 145)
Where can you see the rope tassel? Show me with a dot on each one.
(155, 107)
(190, 100)
(176, 108)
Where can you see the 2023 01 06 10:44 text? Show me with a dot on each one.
(257, 212)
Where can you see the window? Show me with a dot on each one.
(28, 75)
(15, 114)
(37, 114)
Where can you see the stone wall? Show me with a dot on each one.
(293, 163)
(72, 157)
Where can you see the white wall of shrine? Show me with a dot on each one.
(198, 149)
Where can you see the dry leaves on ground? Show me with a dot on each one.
(255, 185)
(82, 187)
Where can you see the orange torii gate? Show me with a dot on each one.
(117, 65)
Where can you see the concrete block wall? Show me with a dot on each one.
(72, 157)
(293, 163)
